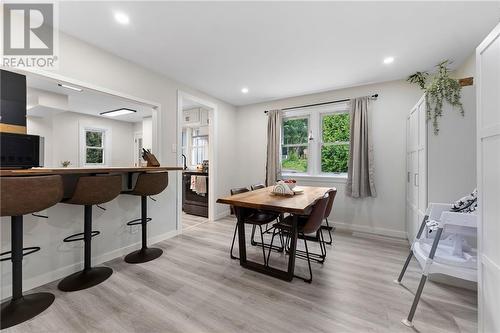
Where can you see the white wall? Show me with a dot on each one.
(62, 135)
(147, 133)
(384, 214)
(83, 62)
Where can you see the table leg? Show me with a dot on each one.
(241, 237)
(293, 247)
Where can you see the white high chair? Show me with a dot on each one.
(442, 249)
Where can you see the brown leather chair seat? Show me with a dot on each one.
(148, 183)
(90, 190)
(20, 196)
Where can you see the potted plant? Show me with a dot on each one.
(438, 88)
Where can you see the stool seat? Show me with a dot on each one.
(90, 190)
(26, 195)
(20, 196)
(148, 183)
(94, 190)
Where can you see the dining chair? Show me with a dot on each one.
(256, 218)
(306, 225)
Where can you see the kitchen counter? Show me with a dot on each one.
(80, 171)
(195, 172)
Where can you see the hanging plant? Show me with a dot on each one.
(439, 89)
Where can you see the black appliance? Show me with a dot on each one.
(20, 151)
(12, 98)
(192, 202)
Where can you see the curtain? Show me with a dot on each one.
(360, 174)
(273, 166)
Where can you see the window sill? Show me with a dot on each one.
(340, 178)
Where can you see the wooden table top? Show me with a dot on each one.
(264, 199)
(76, 171)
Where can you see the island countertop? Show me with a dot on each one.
(80, 171)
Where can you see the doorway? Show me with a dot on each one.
(196, 153)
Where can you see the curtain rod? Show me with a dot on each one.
(324, 103)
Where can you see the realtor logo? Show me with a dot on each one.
(29, 35)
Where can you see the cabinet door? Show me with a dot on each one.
(488, 179)
(413, 130)
(203, 117)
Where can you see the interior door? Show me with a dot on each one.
(488, 167)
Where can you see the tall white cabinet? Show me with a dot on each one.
(488, 178)
(440, 168)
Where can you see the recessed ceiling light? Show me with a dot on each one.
(244, 90)
(69, 87)
(388, 60)
(122, 18)
(117, 112)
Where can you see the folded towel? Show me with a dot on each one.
(193, 183)
(200, 185)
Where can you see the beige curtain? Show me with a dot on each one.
(360, 175)
(273, 166)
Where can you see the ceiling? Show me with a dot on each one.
(282, 49)
(86, 101)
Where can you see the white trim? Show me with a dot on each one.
(401, 234)
(323, 178)
(106, 144)
(212, 153)
(48, 277)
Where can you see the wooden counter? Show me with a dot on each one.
(81, 171)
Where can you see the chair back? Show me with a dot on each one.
(316, 218)
(257, 186)
(237, 190)
(329, 205)
(26, 195)
(150, 183)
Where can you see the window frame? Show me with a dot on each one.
(105, 145)
(315, 125)
(307, 144)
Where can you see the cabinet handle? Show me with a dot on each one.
(415, 179)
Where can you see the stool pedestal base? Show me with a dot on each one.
(24, 308)
(85, 279)
(143, 255)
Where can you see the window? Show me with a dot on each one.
(315, 141)
(335, 142)
(294, 144)
(95, 146)
(199, 147)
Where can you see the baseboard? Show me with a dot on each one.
(370, 230)
(59, 273)
(222, 214)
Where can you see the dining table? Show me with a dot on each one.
(299, 204)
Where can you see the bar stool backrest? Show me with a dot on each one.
(150, 183)
(316, 218)
(257, 186)
(94, 190)
(26, 195)
(331, 198)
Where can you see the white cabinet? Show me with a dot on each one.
(488, 179)
(416, 167)
(440, 168)
(196, 117)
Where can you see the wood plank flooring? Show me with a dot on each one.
(196, 287)
(188, 221)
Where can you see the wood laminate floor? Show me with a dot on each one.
(196, 287)
(188, 221)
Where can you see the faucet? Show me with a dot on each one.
(184, 159)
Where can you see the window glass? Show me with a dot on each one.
(335, 133)
(93, 138)
(294, 148)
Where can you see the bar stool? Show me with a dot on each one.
(149, 183)
(90, 190)
(21, 196)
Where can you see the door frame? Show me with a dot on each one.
(212, 153)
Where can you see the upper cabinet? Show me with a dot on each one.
(196, 117)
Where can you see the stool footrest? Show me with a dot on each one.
(79, 236)
(26, 251)
(138, 221)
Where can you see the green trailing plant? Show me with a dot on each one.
(438, 89)
(65, 164)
